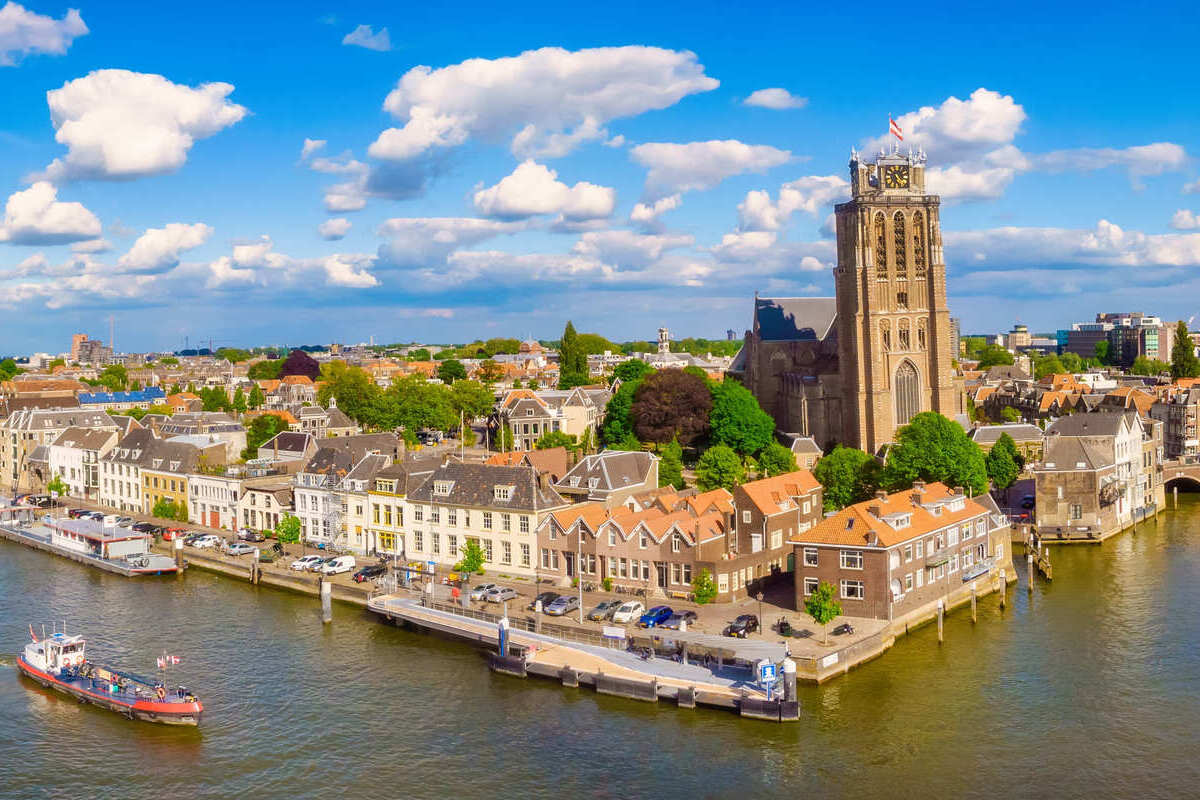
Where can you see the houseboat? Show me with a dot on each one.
(107, 546)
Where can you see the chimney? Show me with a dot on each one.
(881, 495)
(958, 490)
(919, 486)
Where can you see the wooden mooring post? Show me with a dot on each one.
(326, 601)
(1029, 565)
(1003, 590)
(179, 554)
(974, 605)
(941, 617)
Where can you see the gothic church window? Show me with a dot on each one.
(905, 339)
(901, 299)
(885, 335)
(901, 245)
(921, 343)
(908, 393)
(880, 248)
(918, 244)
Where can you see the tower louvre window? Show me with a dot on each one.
(918, 244)
(905, 335)
(901, 245)
(885, 335)
(921, 341)
(880, 248)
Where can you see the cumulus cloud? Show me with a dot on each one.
(959, 129)
(310, 147)
(808, 194)
(534, 189)
(36, 216)
(120, 125)
(1140, 161)
(415, 242)
(696, 166)
(548, 100)
(363, 36)
(159, 249)
(1107, 244)
(349, 271)
(776, 99)
(1185, 220)
(92, 246)
(334, 229)
(626, 249)
(1192, 188)
(22, 32)
(648, 213)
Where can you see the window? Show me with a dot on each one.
(885, 335)
(435, 514)
(506, 552)
(487, 520)
(851, 559)
(894, 559)
(524, 555)
(807, 507)
(907, 553)
(810, 586)
(920, 578)
(920, 549)
(487, 549)
(908, 582)
(452, 545)
(451, 516)
(387, 515)
(952, 536)
(905, 336)
(1076, 512)
(922, 336)
(901, 246)
(810, 556)
(387, 541)
(612, 538)
(419, 514)
(723, 583)
(746, 516)
(643, 541)
(907, 390)
(437, 543)
(502, 492)
(442, 487)
(687, 573)
(506, 522)
(918, 244)
(881, 270)
(524, 524)
(676, 572)
(853, 590)
(902, 300)
(676, 542)
(418, 541)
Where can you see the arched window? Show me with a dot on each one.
(905, 336)
(901, 245)
(918, 244)
(921, 342)
(908, 392)
(880, 248)
(885, 335)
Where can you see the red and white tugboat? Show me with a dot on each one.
(58, 661)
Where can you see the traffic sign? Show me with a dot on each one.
(767, 672)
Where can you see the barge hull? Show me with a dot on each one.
(145, 710)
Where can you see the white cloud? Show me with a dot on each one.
(1141, 160)
(417, 242)
(1105, 245)
(696, 166)
(259, 254)
(616, 141)
(333, 229)
(648, 213)
(1185, 220)
(776, 99)
(363, 36)
(349, 271)
(534, 189)
(159, 249)
(23, 32)
(958, 182)
(92, 246)
(120, 125)
(225, 273)
(627, 249)
(549, 99)
(960, 129)
(35, 216)
(311, 146)
(1192, 188)
(808, 194)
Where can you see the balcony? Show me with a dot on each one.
(938, 557)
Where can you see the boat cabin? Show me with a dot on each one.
(56, 652)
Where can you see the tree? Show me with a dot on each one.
(170, 361)
(1010, 414)
(1001, 462)
(114, 377)
(1149, 366)
(420, 354)
(670, 468)
(994, 355)
(572, 359)
(1102, 352)
(632, 370)
(737, 420)
(472, 558)
(848, 475)
(267, 370)
(669, 404)
(288, 529)
(489, 371)
(261, 430)
(356, 394)
(214, 399)
(533, 384)
(57, 486)
(299, 362)
(57, 362)
(451, 370)
(239, 400)
(1050, 365)
(630, 444)
(169, 509)
(1071, 361)
(586, 442)
(934, 448)
(719, 467)
(504, 439)
(618, 422)
(822, 607)
(1184, 363)
(233, 355)
(8, 368)
(704, 588)
(556, 439)
(256, 397)
(472, 399)
(775, 459)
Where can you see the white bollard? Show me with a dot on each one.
(789, 679)
(326, 601)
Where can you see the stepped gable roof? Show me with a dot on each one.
(473, 484)
(867, 524)
(790, 319)
(779, 493)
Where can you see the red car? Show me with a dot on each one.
(173, 533)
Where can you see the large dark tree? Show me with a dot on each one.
(671, 403)
(299, 362)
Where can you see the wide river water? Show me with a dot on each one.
(1089, 687)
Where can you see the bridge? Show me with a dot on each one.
(1182, 473)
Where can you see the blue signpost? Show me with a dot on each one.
(768, 673)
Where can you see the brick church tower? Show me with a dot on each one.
(893, 326)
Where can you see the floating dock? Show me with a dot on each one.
(112, 549)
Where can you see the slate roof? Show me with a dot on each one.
(1096, 424)
(84, 438)
(1068, 453)
(40, 419)
(787, 319)
(611, 469)
(474, 485)
(287, 442)
(1019, 431)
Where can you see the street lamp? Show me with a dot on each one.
(759, 597)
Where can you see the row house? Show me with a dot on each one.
(24, 431)
(387, 500)
(1179, 411)
(528, 417)
(165, 469)
(121, 474)
(75, 457)
(122, 401)
(1028, 439)
(610, 476)
(263, 504)
(323, 423)
(899, 555)
(498, 507)
(340, 468)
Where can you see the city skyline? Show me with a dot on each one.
(405, 181)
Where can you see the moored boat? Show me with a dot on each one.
(60, 663)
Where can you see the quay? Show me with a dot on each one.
(116, 550)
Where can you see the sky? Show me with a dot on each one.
(260, 173)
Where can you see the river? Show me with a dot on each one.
(1088, 687)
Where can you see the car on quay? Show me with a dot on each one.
(98, 516)
(742, 626)
(142, 527)
(1028, 502)
(603, 610)
(338, 565)
(305, 563)
(368, 572)
(628, 612)
(251, 536)
(498, 594)
(76, 513)
(480, 591)
(678, 617)
(240, 549)
(546, 597)
(655, 616)
(206, 541)
(124, 522)
(171, 534)
(563, 604)
(843, 629)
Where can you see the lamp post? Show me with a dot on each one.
(759, 598)
(579, 567)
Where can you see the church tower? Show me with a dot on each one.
(893, 323)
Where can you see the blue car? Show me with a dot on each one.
(655, 616)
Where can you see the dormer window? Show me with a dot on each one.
(157, 463)
(593, 483)
(502, 492)
(574, 480)
(443, 487)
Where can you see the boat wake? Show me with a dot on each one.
(8, 662)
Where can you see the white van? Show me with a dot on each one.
(110, 520)
(340, 564)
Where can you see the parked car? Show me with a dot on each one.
(843, 629)
(563, 604)
(679, 616)
(240, 549)
(338, 565)
(191, 538)
(301, 564)
(1028, 501)
(142, 527)
(76, 513)
(110, 520)
(546, 597)
(603, 610)
(655, 616)
(96, 515)
(743, 625)
(171, 534)
(251, 536)
(368, 572)
(124, 522)
(498, 594)
(628, 612)
(206, 541)
(480, 591)
(318, 566)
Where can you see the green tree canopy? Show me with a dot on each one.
(239, 400)
(256, 398)
(670, 468)
(57, 486)
(471, 559)
(737, 420)
(233, 355)
(671, 404)
(556, 439)
(266, 370)
(848, 476)
(822, 607)
(1050, 365)
(1149, 366)
(934, 448)
(632, 370)
(618, 422)
(1071, 361)
(419, 354)
(8, 368)
(994, 355)
(719, 467)
(451, 370)
(472, 399)
(114, 377)
(260, 431)
(356, 394)
(704, 588)
(1184, 363)
(775, 459)
(1102, 353)
(1010, 414)
(288, 529)
(1001, 462)
(489, 371)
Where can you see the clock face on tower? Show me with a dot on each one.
(895, 176)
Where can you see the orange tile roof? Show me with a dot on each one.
(772, 495)
(720, 499)
(297, 380)
(268, 385)
(862, 524)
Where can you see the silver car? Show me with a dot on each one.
(563, 604)
(480, 591)
(498, 594)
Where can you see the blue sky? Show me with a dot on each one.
(473, 182)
